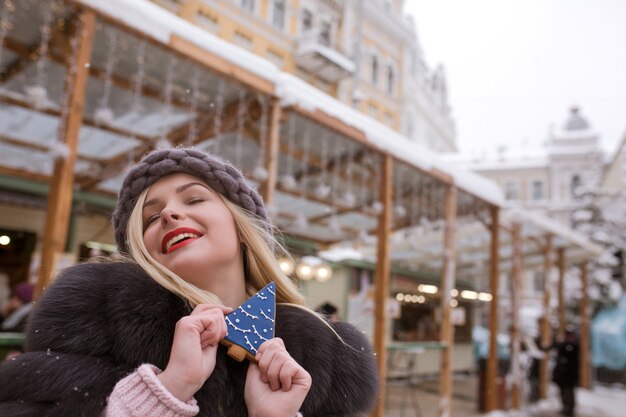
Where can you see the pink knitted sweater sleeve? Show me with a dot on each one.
(142, 394)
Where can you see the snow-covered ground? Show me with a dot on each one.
(599, 402)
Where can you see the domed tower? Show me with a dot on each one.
(575, 159)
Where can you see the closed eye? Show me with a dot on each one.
(195, 200)
(150, 220)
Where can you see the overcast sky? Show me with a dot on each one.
(514, 67)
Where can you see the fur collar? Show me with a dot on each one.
(98, 322)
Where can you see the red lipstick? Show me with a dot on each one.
(172, 234)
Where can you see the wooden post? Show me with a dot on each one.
(516, 294)
(585, 380)
(494, 278)
(60, 194)
(546, 330)
(561, 295)
(268, 188)
(382, 280)
(448, 275)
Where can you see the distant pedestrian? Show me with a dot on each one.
(535, 355)
(565, 374)
(15, 313)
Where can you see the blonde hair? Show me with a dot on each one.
(260, 264)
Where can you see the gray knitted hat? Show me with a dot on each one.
(221, 176)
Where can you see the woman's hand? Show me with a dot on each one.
(194, 350)
(276, 386)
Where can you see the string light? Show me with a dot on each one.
(428, 289)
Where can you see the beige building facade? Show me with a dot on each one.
(365, 53)
(548, 181)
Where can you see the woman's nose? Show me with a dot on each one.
(169, 214)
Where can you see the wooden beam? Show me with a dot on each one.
(561, 266)
(298, 233)
(206, 124)
(441, 176)
(31, 53)
(448, 279)
(364, 209)
(19, 173)
(120, 82)
(383, 271)
(313, 162)
(14, 101)
(315, 166)
(516, 295)
(114, 165)
(184, 48)
(328, 201)
(337, 125)
(60, 197)
(268, 188)
(39, 147)
(24, 51)
(128, 85)
(546, 330)
(27, 54)
(221, 65)
(585, 360)
(494, 280)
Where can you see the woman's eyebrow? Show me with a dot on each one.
(178, 190)
(150, 202)
(185, 186)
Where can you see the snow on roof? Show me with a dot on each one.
(577, 149)
(293, 90)
(506, 164)
(504, 157)
(557, 229)
(159, 24)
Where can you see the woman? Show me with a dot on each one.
(141, 337)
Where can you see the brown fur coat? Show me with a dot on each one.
(98, 322)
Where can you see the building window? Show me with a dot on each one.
(575, 185)
(325, 33)
(242, 40)
(324, 86)
(278, 14)
(276, 57)
(390, 80)
(510, 190)
(208, 21)
(247, 5)
(409, 127)
(307, 21)
(374, 70)
(372, 110)
(389, 119)
(537, 190)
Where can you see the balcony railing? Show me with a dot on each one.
(315, 54)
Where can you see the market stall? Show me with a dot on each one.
(87, 87)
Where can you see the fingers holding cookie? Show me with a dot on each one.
(277, 367)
